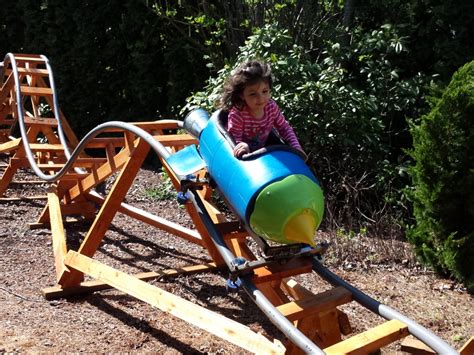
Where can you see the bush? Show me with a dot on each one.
(443, 180)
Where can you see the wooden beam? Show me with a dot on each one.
(38, 91)
(156, 221)
(33, 71)
(201, 317)
(40, 147)
(57, 231)
(413, 346)
(6, 87)
(468, 347)
(9, 146)
(176, 139)
(280, 271)
(41, 121)
(23, 198)
(321, 302)
(103, 142)
(371, 340)
(97, 285)
(7, 177)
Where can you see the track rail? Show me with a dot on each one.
(224, 247)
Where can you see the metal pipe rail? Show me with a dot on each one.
(425, 335)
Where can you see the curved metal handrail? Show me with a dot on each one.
(72, 157)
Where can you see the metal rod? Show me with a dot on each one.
(423, 334)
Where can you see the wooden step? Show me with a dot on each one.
(10, 145)
(33, 71)
(7, 84)
(38, 147)
(29, 71)
(371, 340)
(28, 57)
(321, 302)
(81, 162)
(102, 142)
(53, 122)
(36, 91)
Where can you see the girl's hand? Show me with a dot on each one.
(241, 149)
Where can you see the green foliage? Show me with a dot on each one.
(443, 180)
(164, 191)
(440, 32)
(114, 60)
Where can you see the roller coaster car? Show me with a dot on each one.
(272, 190)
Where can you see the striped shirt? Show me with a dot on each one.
(254, 131)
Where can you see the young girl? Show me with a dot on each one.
(252, 113)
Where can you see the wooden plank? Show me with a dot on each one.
(29, 182)
(32, 71)
(329, 333)
(371, 340)
(201, 317)
(203, 232)
(9, 146)
(80, 162)
(23, 198)
(321, 302)
(38, 147)
(103, 142)
(6, 88)
(23, 57)
(156, 221)
(57, 231)
(468, 347)
(273, 292)
(36, 91)
(280, 271)
(414, 346)
(41, 121)
(176, 139)
(6, 178)
(156, 125)
(97, 285)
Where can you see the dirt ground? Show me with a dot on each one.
(109, 321)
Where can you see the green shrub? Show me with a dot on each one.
(443, 180)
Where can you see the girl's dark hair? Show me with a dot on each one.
(247, 73)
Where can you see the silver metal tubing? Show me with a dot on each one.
(62, 137)
(275, 316)
(423, 334)
(280, 321)
(157, 146)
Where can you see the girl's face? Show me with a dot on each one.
(256, 96)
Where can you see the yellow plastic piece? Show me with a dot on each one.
(300, 228)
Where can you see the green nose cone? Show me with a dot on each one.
(288, 211)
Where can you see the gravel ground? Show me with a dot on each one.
(110, 321)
